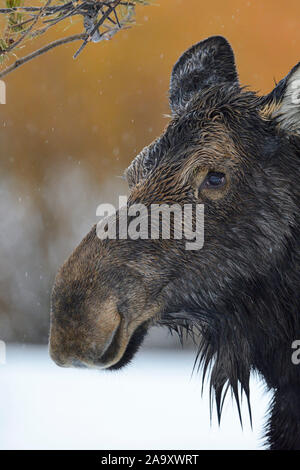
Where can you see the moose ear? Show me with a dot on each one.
(283, 103)
(208, 63)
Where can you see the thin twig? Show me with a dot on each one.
(23, 22)
(23, 36)
(32, 9)
(70, 13)
(54, 9)
(42, 50)
(97, 26)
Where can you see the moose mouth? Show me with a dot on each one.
(119, 352)
(106, 340)
(108, 360)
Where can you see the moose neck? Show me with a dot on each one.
(276, 311)
(283, 429)
(254, 328)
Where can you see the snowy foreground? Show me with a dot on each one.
(152, 404)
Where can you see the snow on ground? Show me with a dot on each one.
(154, 403)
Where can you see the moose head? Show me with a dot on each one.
(238, 155)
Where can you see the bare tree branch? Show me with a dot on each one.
(27, 22)
(42, 50)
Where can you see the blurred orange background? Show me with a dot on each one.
(95, 113)
(106, 105)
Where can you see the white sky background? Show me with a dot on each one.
(154, 403)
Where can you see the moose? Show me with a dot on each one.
(238, 154)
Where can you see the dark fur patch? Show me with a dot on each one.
(133, 346)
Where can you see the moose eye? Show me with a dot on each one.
(214, 180)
